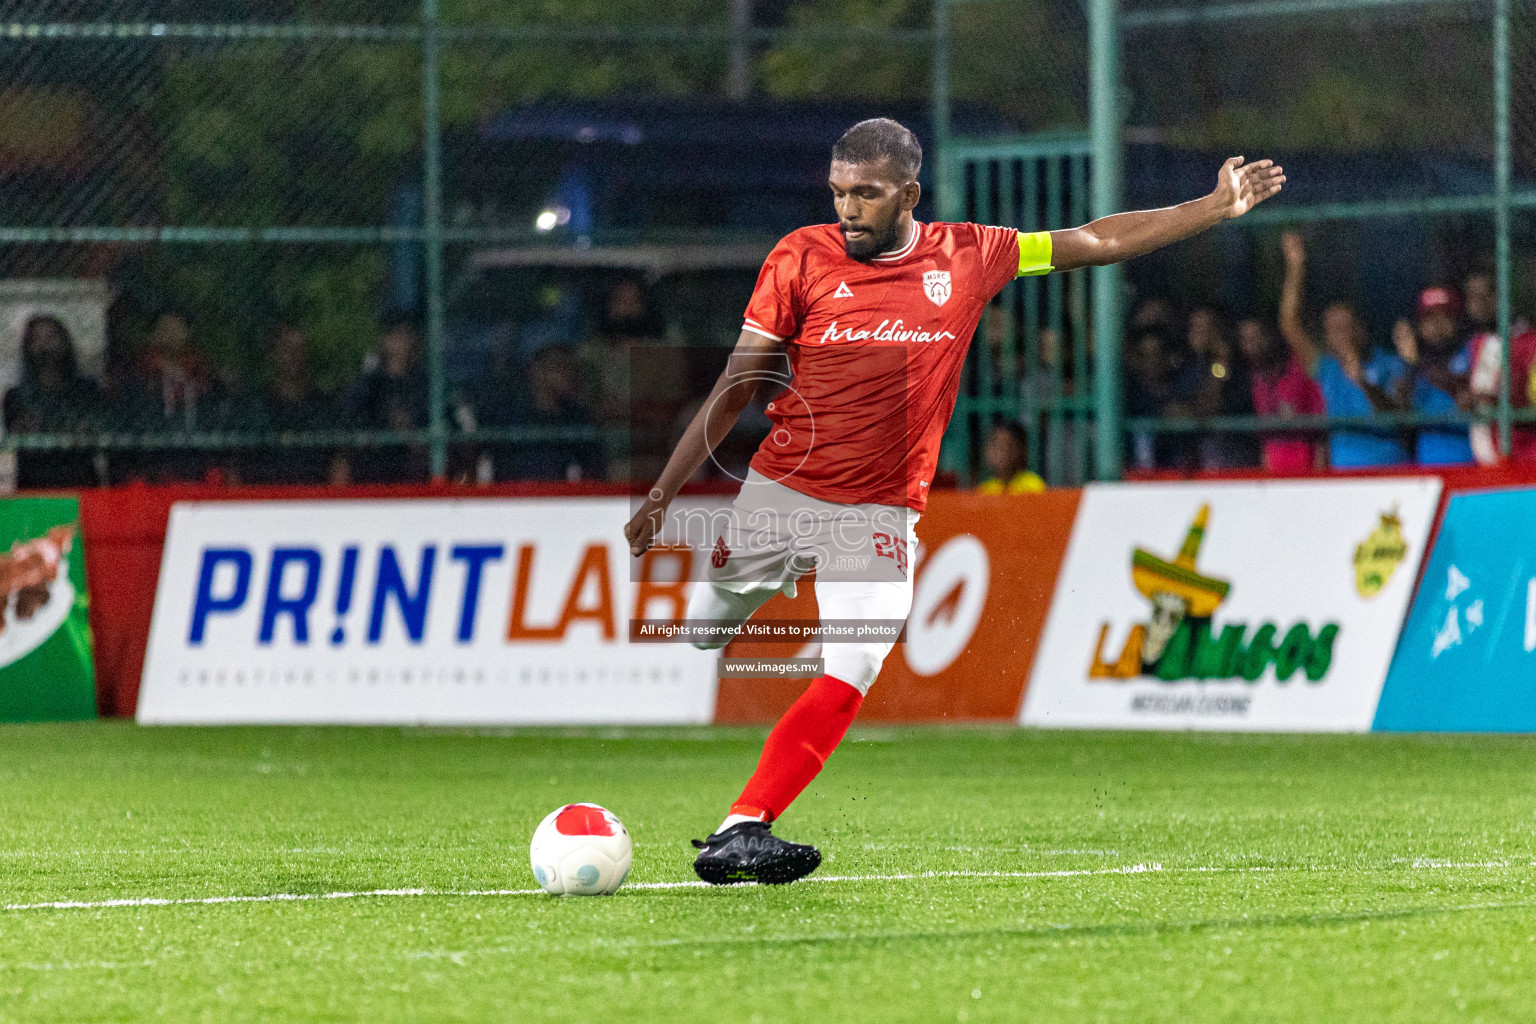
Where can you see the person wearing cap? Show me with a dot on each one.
(1355, 378)
(1437, 382)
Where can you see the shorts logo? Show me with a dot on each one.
(936, 286)
(894, 548)
(721, 553)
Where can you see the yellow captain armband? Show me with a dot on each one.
(1034, 253)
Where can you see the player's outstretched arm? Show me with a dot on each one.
(1239, 188)
(754, 359)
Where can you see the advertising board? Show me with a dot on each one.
(46, 670)
(1467, 658)
(498, 611)
(1231, 606)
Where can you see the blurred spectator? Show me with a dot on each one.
(390, 395)
(1154, 312)
(628, 323)
(635, 381)
(1482, 299)
(52, 397)
(1281, 389)
(1149, 371)
(1437, 379)
(290, 402)
(1355, 379)
(1485, 352)
(1522, 394)
(167, 390)
(554, 399)
(1214, 383)
(1056, 379)
(1007, 460)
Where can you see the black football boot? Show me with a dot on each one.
(748, 852)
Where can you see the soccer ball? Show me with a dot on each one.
(580, 850)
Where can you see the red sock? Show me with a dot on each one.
(798, 746)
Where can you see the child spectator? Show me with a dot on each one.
(1006, 456)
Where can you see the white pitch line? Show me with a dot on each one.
(289, 897)
(1129, 869)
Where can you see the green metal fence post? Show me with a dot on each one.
(1502, 171)
(948, 199)
(1104, 114)
(432, 187)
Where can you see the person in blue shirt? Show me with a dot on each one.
(1355, 379)
(1439, 365)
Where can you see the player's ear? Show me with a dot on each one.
(911, 192)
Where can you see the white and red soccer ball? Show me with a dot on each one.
(581, 850)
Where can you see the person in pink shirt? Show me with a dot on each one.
(1282, 388)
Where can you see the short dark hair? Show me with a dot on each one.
(1014, 429)
(880, 138)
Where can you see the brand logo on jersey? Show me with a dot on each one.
(887, 331)
(936, 286)
(843, 291)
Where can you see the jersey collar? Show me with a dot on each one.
(905, 250)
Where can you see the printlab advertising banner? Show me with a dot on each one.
(1231, 606)
(46, 671)
(509, 611)
(1467, 658)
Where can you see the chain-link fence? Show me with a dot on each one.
(1405, 130)
(290, 241)
(307, 241)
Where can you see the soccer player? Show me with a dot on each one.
(865, 323)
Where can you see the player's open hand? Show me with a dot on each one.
(642, 529)
(1242, 186)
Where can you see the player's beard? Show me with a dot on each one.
(872, 244)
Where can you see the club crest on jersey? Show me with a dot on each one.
(936, 286)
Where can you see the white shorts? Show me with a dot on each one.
(774, 535)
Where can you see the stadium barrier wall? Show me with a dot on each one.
(1256, 606)
(124, 531)
(1465, 659)
(514, 611)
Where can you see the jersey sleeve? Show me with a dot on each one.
(999, 256)
(777, 308)
(1007, 254)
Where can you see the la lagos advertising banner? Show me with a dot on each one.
(46, 671)
(1266, 606)
(504, 611)
(1467, 658)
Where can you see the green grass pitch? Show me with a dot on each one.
(970, 875)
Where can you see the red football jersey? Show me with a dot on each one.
(876, 349)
